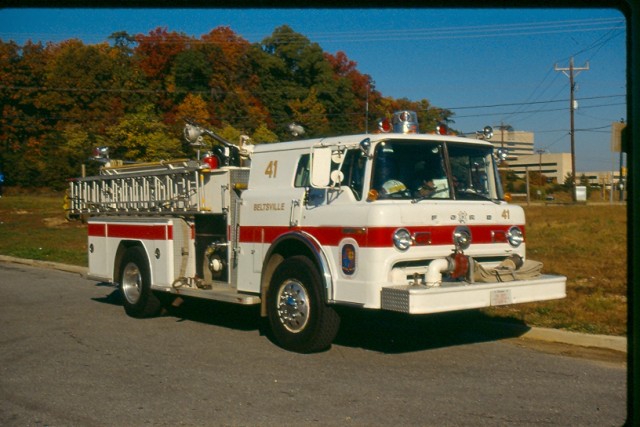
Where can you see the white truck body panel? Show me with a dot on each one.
(163, 239)
(329, 223)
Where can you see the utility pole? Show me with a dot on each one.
(366, 112)
(540, 153)
(573, 72)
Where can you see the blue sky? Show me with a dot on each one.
(489, 66)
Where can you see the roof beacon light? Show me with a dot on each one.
(384, 126)
(442, 129)
(405, 122)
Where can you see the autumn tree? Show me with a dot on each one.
(25, 121)
(142, 136)
(132, 93)
(194, 108)
(128, 80)
(355, 89)
(311, 114)
(79, 84)
(155, 55)
(156, 51)
(9, 71)
(233, 84)
(290, 67)
(263, 135)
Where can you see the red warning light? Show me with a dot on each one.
(442, 129)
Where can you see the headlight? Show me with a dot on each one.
(515, 236)
(402, 239)
(462, 238)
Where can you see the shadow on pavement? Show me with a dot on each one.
(374, 330)
(228, 315)
(390, 332)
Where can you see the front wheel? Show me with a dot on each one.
(300, 320)
(135, 285)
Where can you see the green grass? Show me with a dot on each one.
(33, 226)
(586, 243)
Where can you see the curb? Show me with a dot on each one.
(576, 338)
(609, 342)
(614, 343)
(83, 271)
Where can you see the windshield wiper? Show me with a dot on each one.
(470, 194)
(431, 195)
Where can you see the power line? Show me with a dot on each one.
(181, 91)
(556, 141)
(471, 107)
(529, 98)
(549, 110)
(428, 33)
(597, 44)
(600, 44)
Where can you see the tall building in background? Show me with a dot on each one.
(519, 143)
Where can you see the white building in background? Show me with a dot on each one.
(555, 166)
(519, 143)
(603, 178)
(522, 156)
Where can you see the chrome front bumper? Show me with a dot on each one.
(417, 299)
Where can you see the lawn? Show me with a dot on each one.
(33, 226)
(586, 243)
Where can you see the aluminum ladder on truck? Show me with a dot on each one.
(150, 188)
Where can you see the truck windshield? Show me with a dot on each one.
(420, 170)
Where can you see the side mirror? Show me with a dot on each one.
(336, 177)
(365, 146)
(321, 167)
(487, 132)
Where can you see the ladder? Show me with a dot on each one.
(160, 188)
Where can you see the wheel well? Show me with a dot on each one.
(281, 250)
(122, 249)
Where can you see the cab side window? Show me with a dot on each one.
(353, 170)
(302, 172)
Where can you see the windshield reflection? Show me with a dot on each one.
(420, 170)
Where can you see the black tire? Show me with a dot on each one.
(299, 318)
(135, 285)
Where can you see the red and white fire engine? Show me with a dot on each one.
(402, 221)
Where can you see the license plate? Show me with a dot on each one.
(501, 297)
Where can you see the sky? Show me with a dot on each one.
(489, 66)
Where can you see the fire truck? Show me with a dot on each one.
(395, 220)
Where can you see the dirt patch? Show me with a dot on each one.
(601, 355)
(55, 222)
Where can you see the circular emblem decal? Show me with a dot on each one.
(348, 259)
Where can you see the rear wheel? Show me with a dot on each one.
(135, 285)
(299, 318)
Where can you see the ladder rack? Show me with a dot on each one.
(160, 188)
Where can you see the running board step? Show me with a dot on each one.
(218, 293)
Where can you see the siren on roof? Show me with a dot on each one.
(405, 122)
(401, 122)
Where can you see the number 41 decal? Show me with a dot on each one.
(272, 169)
(506, 214)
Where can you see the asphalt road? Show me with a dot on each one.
(70, 356)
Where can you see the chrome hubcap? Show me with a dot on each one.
(293, 307)
(131, 283)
